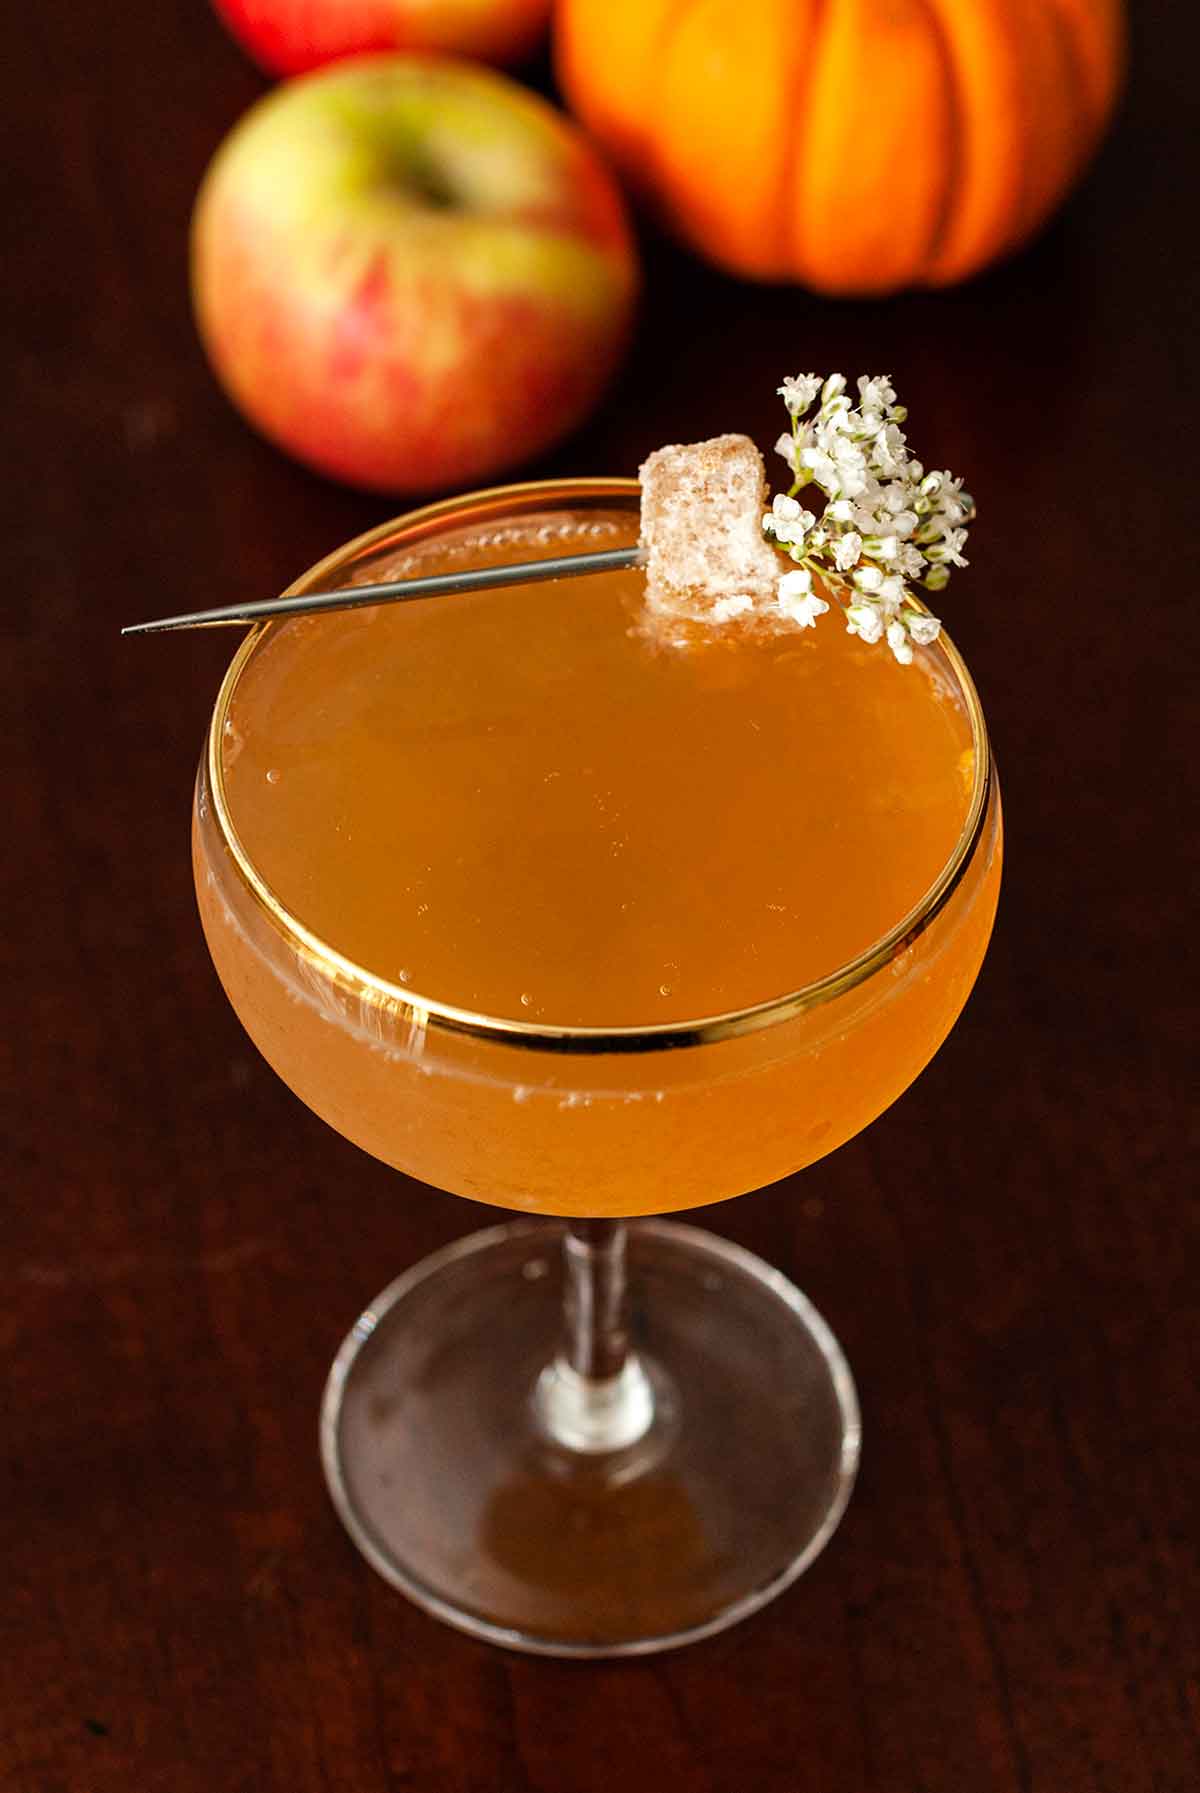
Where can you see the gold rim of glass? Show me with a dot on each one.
(426, 1012)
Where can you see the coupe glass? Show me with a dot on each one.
(590, 1435)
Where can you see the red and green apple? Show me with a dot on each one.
(411, 272)
(289, 36)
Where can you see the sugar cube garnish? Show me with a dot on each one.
(702, 511)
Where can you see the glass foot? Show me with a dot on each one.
(437, 1458)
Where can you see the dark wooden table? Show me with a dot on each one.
(1008, 1256)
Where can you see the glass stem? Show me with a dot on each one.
(596, 1299)
(595, 1396)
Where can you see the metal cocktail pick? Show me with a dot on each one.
(397, 591)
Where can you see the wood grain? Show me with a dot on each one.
(1008, 1256)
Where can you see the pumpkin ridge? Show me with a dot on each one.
(954, 104)
(804, 61)
(1017, 229)
(1073, 56)
(653, 176)
(1100, 70)
(1026, 223)
(1035, 200)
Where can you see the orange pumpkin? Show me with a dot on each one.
(856, 146)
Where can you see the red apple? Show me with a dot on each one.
(410, 272)
(289, 36)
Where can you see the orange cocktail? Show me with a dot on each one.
(570, 914)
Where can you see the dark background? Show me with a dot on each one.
(1007, 1256)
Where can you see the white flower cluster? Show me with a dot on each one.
(886, 523)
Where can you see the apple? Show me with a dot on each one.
(410, 272)
(289, 36)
